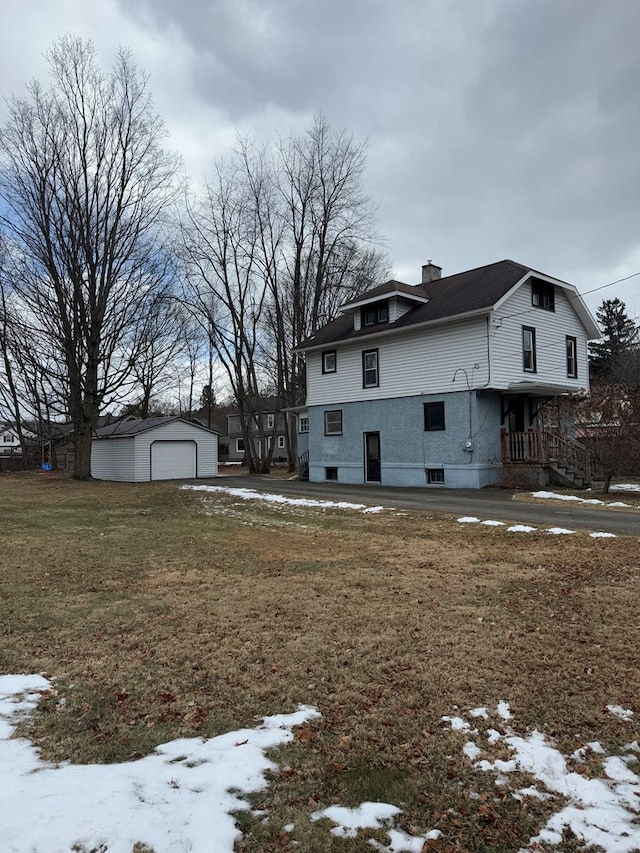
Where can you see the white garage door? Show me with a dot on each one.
(173, 460)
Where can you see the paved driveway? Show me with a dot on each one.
(497, 504)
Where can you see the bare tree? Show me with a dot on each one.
(607, 422)
(85, 186)
(317, 247)
(225, 291)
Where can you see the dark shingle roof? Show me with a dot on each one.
(132, 427)
(465, 292)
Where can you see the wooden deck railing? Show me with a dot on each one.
(544, 447)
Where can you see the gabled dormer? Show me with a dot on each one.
(384, 304)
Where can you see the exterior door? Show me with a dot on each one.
(372, 457)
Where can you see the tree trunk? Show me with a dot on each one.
(82, 454)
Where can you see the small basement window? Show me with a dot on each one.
(331, 473)
(435, 476)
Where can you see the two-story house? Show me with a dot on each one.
(268, 434)
(442, 383)
(9, 442)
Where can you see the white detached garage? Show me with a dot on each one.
(136, 451)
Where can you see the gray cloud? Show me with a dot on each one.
(495, 129)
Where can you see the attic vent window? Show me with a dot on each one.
(374, 314)
(543, 295)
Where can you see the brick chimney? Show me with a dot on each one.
(430, 272)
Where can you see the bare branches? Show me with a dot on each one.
(86, 186)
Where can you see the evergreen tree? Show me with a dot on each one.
(610, 357)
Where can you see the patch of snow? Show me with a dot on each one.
(373, 509)
(504, 711)
(457, 724)
(620, 712)
(616, 768)
(625, 487)
(468, 519)
(491, 523)
(520, 528)
(177, 798)
(593, 746)
(251, 495)
(402, 842)
(471, 750)
(289, 827)
(365, 816)
(479, 712)
(373, 816)
(601, 535)
(576, 499)
(600, 812)
(559, 531)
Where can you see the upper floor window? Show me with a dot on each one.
(543, 295)
(374, 314)
(280, 442)
(333, 422)
(529, 349)
(329, 361)
(434, 416)
(572, 358)
(370, 378)
(303, 424)
(271, 420)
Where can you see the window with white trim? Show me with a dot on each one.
(370, 376)
(239, 445)
(529, 349)
(280, 442)
(572, 357)
(271, 420)
(329, 361)
(303, 424)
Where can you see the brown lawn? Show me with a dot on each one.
(163, 613)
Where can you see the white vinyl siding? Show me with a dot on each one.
(113, 459)
(418, 361)
(129, 458)
(552, 328)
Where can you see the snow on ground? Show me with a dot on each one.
(625, 487)
(600, 811)
(526, 528)
(576, 499)
(176, 799)
(179, 797)
(251, 495)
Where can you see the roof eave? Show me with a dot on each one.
(450, 318)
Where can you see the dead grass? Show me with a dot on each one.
(164, 613)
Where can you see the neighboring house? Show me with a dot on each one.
(442, 383)
(137, 450)
(274, 428)
(9, 442)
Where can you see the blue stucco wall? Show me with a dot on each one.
(406, 450)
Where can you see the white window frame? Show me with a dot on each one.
(529, 359)
(303, 424)
(370, 371)
(572, 356)
(280, 442)
(240, 445)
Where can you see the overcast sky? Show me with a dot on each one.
(496, 128)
